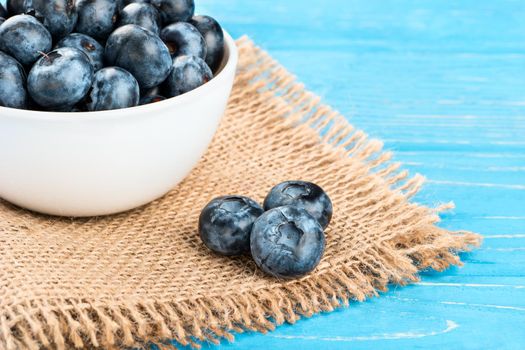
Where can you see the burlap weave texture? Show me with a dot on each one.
(144, 276)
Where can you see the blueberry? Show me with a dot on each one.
(152, 95)
(151, 99)
(188, 73)
(96, 18)
(65, 109)
(123, 3)
(301, 194)
(60, 78)
(287, 242)
(58, 16)
(2, 20)
(16, 7)
(3, 12)
(79, 107)
(113, 88)
(154, 91)
(226, 222)
(24, 38)
(86, 44)
(144, 15)
(12, 83)
(184, 39)
(212, 32)
(140, 52)
(172, 11)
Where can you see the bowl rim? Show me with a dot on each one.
(229, 65)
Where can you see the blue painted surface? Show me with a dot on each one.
(443, 84)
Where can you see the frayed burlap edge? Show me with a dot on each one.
(394, 259)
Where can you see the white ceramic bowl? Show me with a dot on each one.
(98, 163)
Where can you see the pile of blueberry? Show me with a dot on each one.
(286, 238)
(93, 55)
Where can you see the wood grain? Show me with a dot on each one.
(442, 83)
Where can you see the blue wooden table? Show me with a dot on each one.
(443, 84)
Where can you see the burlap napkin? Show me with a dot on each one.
(145, 277)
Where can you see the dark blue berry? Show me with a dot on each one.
(61, 78)
(140, 52)
(188, 73)
(79, 107)
(152, 95)
(12, 83)
(16, 7)
(301, 194)
(172, 11)
(183, 39)
(96, 18)
(113, 88)
(212, 32)
(146, 100)
(86, 44)
(287, 242)
(156, 90)
(58, 16)
(123, 3)
(144, 15)
(226, 222)
(24, 38)
(65, 109)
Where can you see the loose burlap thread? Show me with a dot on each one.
(144, 277)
